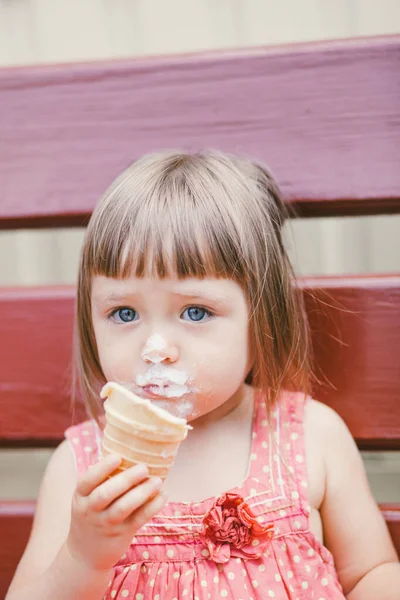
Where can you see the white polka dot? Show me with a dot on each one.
(296, 558)
(170, 553)
(178, 513)
(287, 446)
(157, 597)
(203, 583)
(276, 457)
(244, 572)
(290, 574)
(253, 492)
(255, 542)
(282, 513)
(264, 444)
(299, 458)
(279, 481)
(205, 552)
(87, 449)
(113, 593)
(265, 469)
(253, 456)
(303, 484)
(283, 547)
(151, 583)
(216, 579)
(157, 539)
(295, 495)
(324, 581)
(277, 577)
(310, 552)
(139, 596)
(255, 583)
(291, 470)
(133, 567)
(75, 440)
(308, 568)
(175, 575)
(123, 557)
(304, 585)
(261, 568)
(185, 593)
(159, 571)
(264, 422)
(85, 432)
(294, 436)
(224, 593)
(280, 561)
(238, 561)
(271, 594)
(145, 554)
(254, 435)
(125, 593)
(297, 525)
(231, 575)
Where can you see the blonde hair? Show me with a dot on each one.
(222, 216)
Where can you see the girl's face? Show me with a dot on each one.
(183, 344)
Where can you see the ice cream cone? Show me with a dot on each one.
(140, 432)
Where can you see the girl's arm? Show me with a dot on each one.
(354, 528)
(46, 569)
(81, 528)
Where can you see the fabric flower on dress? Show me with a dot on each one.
(231, 529)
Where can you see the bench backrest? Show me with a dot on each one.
(325, 117)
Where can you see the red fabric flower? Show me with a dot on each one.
(231, 529)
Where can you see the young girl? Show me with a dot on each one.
(183, 269)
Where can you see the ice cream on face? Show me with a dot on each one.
(165, 381)
(139, 431)
(154, 350)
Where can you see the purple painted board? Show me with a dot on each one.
(325, 117)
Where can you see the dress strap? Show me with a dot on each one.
(85, 444)
(278, 449)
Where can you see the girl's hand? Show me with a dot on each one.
(106, 513)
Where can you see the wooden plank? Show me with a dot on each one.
(362, 370)
(324, 116)
(355, 324)
(35, 374)
(16, 521)
(15, 525)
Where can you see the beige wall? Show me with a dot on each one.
(52, 31)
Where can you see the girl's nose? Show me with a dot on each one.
(158, 350)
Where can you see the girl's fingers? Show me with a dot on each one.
(130, 502)
(117, 486)
(148, 511)
(96, 474)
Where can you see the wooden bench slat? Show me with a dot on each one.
(363, 369)
(16, 520)
(323, 116)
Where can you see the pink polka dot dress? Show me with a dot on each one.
(252, 543)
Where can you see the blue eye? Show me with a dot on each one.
(125, 315)
(196, 313)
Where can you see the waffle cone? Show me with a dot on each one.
(140, 432)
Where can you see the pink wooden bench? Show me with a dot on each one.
(325, 117)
